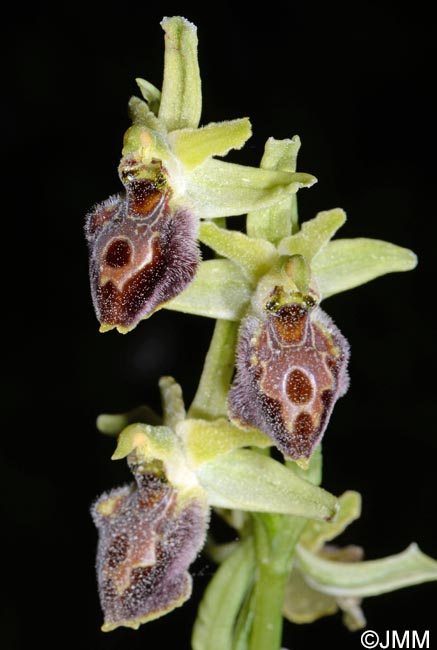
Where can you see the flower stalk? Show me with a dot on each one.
(210, 401)
(275, 537)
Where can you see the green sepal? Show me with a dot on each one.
(370, 578)
(279, 221)
(221, 189)
(253, 256)
(313, 235)
(219, 290)
(303, 604)
(223, 598)
(281, 154)
(205, 440)
(150, 93)
(233, 481)
(181, 98)
(194, 146)
(346, 263)
(317, 533)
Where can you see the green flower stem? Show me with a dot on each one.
(210, 401)
(276, 537)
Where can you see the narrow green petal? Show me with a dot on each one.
(181, 99)
(234, 481)
(140, 113)
(219, 291)
(313, 235)
(150, 93)
(317, 533)
(371, 578)
(173, 407)
(221, 189)
(112, 424)
(253, 256)
(223, 598)
(194, 146)
(276, 222)
(347, 263)
(204, 440)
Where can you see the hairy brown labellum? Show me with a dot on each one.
(291, 369)
(147, 540)
(142, 251)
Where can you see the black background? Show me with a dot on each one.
(355, 82)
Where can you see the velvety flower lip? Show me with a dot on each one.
(142, 253)
(291, 369)
(148, 537)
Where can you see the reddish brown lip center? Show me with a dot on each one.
(118, 254)
(298, 387)
(289, 323)
(303, 425)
